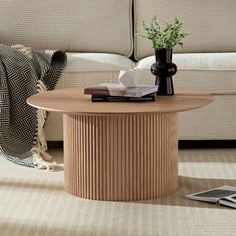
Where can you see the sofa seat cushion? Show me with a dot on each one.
(78, 62)
(208, 72)
(215, 121)
(92, 68)
(85, 69)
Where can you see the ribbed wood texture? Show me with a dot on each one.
(120, 157)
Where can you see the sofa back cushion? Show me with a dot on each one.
(211, 22)
(72, 25)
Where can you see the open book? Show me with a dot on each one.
(224, 195)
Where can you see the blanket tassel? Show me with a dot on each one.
(39, 151)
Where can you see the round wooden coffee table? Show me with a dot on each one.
(119, 151)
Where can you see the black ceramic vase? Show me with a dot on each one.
(164, 69)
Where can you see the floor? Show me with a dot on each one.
(34, 203)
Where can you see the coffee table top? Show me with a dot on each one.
(72, 100)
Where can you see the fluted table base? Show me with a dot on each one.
(120, 157)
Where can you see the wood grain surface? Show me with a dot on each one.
(72, 100)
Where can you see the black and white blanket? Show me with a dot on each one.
(24, 72)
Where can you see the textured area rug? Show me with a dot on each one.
(34, 203)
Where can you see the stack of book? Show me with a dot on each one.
(107, 92)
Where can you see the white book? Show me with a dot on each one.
(109, 89)
(224, 195)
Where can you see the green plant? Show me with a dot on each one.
(167, 38)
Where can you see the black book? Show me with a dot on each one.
(99, 98)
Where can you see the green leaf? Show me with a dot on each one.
(166, 38)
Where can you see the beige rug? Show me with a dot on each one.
(33, 203)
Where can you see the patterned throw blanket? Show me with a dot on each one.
(24, 72)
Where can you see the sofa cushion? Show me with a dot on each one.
(92, 62)
(85, 69)
(209, 72)
(92, 68)
(71, 25)
(211, 22)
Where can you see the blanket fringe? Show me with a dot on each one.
(41, 157)
(27, 51)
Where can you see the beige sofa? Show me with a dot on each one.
(99, 37)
